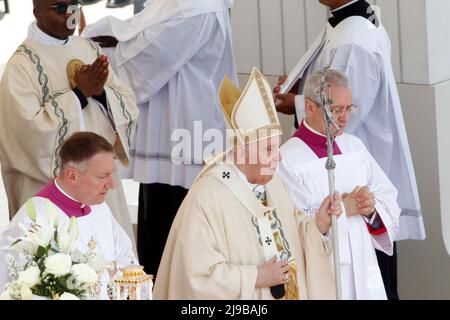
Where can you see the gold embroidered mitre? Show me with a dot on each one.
(251, 114)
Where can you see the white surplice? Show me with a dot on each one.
(215, 246)
(307, 181)
(174, 56)
(363, 52)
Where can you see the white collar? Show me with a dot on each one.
(312, 130)
(251, 186)
(64, 193)
(39, 36)
(345, 5)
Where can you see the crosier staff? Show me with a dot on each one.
(325, 98)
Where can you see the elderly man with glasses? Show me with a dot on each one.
(355, 42)
(370, 199)
(56, 84)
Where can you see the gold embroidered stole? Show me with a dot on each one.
(291, 287)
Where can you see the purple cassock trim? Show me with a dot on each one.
(70, 207)
(315, 142)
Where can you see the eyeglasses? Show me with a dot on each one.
(340, 111)
(62, 8)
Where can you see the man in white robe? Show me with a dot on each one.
(237, 234)
(173, 54)
(53, 85)
(87, 175)
(370, 198)
(355, 42)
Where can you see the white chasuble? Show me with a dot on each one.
(214, 246)
(39, 111)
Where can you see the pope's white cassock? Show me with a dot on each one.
(223, 232)
(173, 54)
(303, 170)
(38, 111)
(362, 51)
(111, 241)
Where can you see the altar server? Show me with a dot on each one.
(372, 212)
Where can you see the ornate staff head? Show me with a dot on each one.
(326, 100)
(324, 93)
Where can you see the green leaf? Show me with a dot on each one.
(15, 242)
(31, 210)
(41, 251)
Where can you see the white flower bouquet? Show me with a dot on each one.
(46, 263)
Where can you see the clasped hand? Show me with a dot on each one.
(91, 78)
(361, 201)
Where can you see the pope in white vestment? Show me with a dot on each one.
(355, 42)
(223, 233)
(40, 107)
(303, 170)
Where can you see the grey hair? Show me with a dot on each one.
(333, 77)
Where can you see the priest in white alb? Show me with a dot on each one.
(86, 176)
(237, 234)
(56, 84)
(370, 199)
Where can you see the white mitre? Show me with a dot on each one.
(251, 115)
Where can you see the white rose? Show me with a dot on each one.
(30, 277)
(84, 273)
(68, 296)
(58, 264)
(25, 293)
(6, 295)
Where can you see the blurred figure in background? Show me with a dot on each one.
(174, 55)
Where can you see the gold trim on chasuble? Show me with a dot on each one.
(256, 207)
(291, 287)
